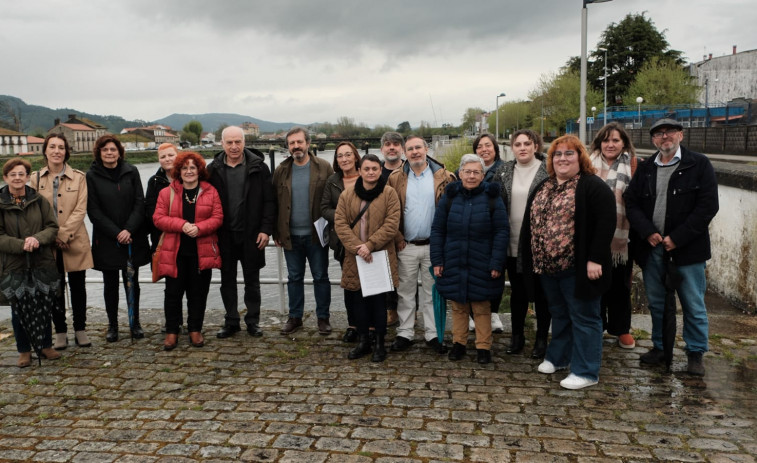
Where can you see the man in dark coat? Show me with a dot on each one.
(670, 202)
(243, 181)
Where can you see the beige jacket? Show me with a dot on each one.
(383, 217)
(398, 181)
(72, 209)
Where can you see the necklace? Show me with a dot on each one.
(190, 201)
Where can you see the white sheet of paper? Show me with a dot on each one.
(376, 277)
(322, 228)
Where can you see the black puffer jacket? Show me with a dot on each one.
(259, 206)
(156, 183)
(113, 206)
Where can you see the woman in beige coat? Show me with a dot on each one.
(373, 231)
(66, 189)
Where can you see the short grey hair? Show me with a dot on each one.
(230, 128)
(469, 158)
(392, 137)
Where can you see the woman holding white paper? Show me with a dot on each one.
(366, 220)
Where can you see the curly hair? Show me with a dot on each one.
(183, 158)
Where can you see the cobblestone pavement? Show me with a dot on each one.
(298, 399)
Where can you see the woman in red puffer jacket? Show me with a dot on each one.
(188, 213)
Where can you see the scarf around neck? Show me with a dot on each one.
(617, 176)
(369, 195)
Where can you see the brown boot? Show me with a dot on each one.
(50, 354)
(24, 359)
(292, 325)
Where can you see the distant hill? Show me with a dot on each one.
(40, 119)
(210, 122)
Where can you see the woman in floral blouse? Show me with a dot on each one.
(566, 244)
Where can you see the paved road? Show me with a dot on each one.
(297, 399)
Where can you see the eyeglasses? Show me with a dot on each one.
(665, 133)
(475, 173)
(561, 154)
(344, 155)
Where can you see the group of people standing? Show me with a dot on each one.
(564, 230)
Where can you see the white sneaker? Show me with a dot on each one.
(471, 325)
(497, 327)
(576, 382)
(547, 367)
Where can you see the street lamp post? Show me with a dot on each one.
(496, 130)
(582, 120)
(593, 111)
(707, 102)
(604, 116)
(639, 100)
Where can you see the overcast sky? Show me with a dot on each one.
(376, 61)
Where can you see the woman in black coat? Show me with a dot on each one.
(166, 155)
(116, 208)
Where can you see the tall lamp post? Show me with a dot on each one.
(604, 116)
(593, 110)
(582, 118)
(496, 131)
(639, 100)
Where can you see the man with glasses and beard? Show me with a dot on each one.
(670, 202)
(419, 183)
(299, 182)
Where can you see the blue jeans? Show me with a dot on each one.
(690, 293)
(318, 257)
(576, 326)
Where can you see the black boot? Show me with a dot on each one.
(363, 348)
(112, 334)
(136, 330)
(540, 348)
(379, 349)
(517, 341)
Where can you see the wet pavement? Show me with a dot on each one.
(298, 398)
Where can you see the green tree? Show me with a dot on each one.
(404, 127)
(663, 82)
(470, 119)
(195, 128)
(219, 131)
(190, 137)
(630, 44)
(560, 94)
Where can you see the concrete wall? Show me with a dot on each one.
(732, 271)
(728, 77)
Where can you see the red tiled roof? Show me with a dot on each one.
(77, 127)
(32, 139)
(9, 132)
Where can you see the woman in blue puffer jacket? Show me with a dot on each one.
(469, 239)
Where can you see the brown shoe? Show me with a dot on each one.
(292, 325)
(324, 328)
(24, 359)
(172, 340)
(49, 353)
(392, 318)
(196, 339)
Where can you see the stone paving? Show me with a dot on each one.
(298, 399)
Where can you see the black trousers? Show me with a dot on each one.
(110, 293)
(519, 302)
(195, 284)
(230, 255)
(78, 299)
(616, 302)
(368, 311)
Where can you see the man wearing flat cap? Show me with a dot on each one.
(670, 202)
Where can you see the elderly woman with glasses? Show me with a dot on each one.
(566, 243)
(469, 239)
